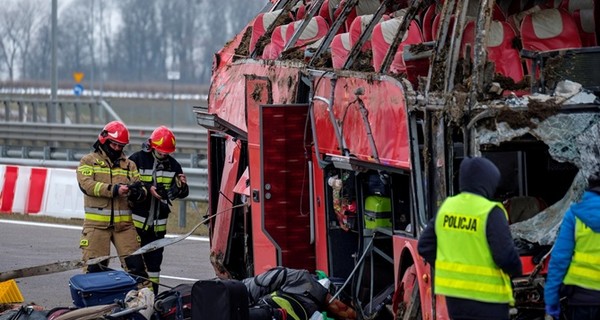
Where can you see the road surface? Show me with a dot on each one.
(26, 244)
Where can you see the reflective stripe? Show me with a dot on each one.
(491, 289)
(160, 222)
(153, 275)
(103, 218)
(106, 212)
(468, 269)
(97, 188)
(143, 219)
(588, 258)
(160, 228)
(139, 225)
(587, 273)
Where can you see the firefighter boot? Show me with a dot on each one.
(136, 267)
(154, 277)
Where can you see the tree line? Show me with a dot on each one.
(119, 40)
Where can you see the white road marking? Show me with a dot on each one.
(179, 278)
(64, 226)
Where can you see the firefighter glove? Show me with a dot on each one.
(162, 191)
(553, 311)
(136, 192)
(177, 190)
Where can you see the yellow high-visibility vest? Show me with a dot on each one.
(584, 270)
(464, 267)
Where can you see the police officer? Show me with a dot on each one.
(575, 259)
(164, 178)
(471, 247)
(109, 182)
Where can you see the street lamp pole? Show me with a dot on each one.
(172, 103)
(173, 75)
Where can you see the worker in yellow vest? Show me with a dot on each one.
(575, 259)
(471, 248)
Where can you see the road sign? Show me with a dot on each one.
(78, 90)
(78, 76)
(173, 75)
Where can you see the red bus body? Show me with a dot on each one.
(284, 131)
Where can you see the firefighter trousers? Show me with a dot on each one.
(95, 242)
(153, 259)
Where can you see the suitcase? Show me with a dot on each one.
(92, 289)
(219, 299)
(166, 303)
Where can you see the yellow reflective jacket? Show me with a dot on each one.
(584, 270)
(464, 266)
(97, 177)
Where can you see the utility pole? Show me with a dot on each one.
(54, 76)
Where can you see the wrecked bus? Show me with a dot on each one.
(336, 128)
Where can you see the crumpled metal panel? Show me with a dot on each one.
(573, 138)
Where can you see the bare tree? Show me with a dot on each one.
(18, 21)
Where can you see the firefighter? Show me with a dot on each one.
(164, 178)
(470, 245)
(109, 182)
(575, 259)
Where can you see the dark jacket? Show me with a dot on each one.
(479, 176)
(588, 211)
(163, 177)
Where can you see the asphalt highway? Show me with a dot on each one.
(27, 244)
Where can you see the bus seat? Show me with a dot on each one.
(358, 26)
(427, 25)
(316, 29)
(383, 36)
(260, 26)
(340, 48)
(585, 13)
(506, 58)
(549, 29)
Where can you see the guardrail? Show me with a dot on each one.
(66, 110)
(55, 141)
(197, 177)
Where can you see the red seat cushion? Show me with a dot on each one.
(340, 48)
(316, 29)
(549, 29)
(358, 26)
(383, 36)
(500, 49)
(585, 13)
(260, 25)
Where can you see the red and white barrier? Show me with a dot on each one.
(45, 191)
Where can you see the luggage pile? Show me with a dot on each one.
(279, 294)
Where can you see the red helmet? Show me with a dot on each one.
(115, 131)
(162, 140)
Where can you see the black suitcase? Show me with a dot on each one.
(168, 303)
(219, 300)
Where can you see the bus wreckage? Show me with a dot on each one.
(336, 129)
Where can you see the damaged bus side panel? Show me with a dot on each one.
(337, 128)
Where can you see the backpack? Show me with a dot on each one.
(295, 310)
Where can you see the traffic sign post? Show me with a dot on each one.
(78, 90)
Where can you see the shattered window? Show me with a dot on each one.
(571, 138)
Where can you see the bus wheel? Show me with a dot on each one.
(407, 297)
